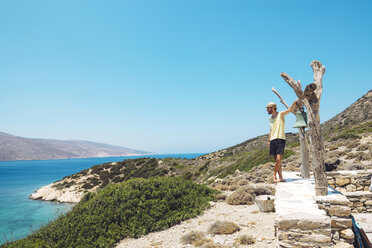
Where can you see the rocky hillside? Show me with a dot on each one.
(357, 114)
(19, 148)
(345, 139)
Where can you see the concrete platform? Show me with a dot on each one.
(296, 206)
(296, 195)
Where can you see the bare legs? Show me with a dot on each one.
(278, 168)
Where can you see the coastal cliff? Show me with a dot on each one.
(49, 193)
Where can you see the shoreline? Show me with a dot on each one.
(120, 156)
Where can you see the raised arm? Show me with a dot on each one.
(293, 106)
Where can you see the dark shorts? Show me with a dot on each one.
(277, 146)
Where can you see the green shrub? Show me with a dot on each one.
(87, 186)
(93, 180)
(345, 136)
(293, 144)
(95, 169)
(103, 175)
(245, 161)
(129, 209)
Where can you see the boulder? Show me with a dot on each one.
(347, 234)
(265, 203)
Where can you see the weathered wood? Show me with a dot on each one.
(309, 89)
(311, 101)
(305, 172)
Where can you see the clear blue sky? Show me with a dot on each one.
(173, 76)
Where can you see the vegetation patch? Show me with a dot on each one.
(245, 161)
(223, 227)
(195, 238)
(246, 240)
(129, 209)
(293, 144)
(349, 132)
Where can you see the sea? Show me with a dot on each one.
(19, 216)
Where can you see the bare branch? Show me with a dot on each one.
(296, 86)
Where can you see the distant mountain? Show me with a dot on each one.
(20, 148)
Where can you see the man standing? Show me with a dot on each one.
(276, 140)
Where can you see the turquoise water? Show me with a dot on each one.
(18, 179)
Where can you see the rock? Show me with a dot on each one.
(49, 193)
(337, 210)
(331, 181)
(347, 234)
(342, 180)
(350, 188)
(265, 203)
(336, 236)
(316, 238)
(303, 221)
(341, 222)
(358, 195)
(343, 245)
(335, 199)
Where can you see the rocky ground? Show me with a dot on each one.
(256, 228)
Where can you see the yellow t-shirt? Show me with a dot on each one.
(277, 127)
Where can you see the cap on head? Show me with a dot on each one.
(271, 105)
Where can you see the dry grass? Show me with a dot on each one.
(351, 155)
(221, 187)
(332, 147)
(352, 143)
(221, 197)
(341, 153)
(233, 187)
(197, 239)
(364, 156)
(243, 182)
(364, 147)
(223, 227)
(246, 240)
(355, 167)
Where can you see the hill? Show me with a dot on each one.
(20, 148)
(357, 114)
(348, 137)
(229, 169)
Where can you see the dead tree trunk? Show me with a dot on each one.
(311, 99)
(305, 172)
